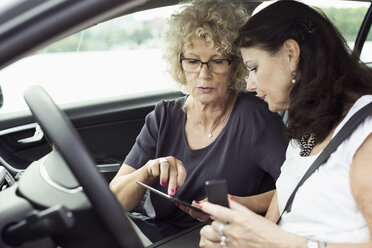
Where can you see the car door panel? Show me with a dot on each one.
(108, 128)
(15, 154)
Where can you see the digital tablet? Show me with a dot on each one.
(170, 198)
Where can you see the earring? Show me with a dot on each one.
(293, 81)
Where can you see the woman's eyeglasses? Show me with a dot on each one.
(214, 65)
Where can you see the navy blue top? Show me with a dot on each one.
(248, 153)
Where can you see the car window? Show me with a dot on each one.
(347, 16)
(119, 57)
(366, 54)
(123, 56)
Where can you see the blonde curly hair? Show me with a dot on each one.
(217, 22)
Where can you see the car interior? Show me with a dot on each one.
(56, 159)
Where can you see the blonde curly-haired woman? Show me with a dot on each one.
(216, 131)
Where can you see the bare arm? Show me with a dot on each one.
(257, 203)
(361, 187)
(124, 186)
(129, 193)
(272, 213)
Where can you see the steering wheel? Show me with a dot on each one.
(61, 133)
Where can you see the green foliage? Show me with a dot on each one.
(139, 36)
(107, 36)
(347, 20)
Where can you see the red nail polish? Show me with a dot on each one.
(197, 202)
(177, 189)
(163, 183)
(200, 206)
(177, 204)
(172, 191)
(231, 198)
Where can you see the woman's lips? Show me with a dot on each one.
(205, 89)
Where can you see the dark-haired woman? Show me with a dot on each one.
(298, 61)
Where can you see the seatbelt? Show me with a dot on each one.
(345, 132)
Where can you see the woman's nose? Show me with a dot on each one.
(204, 71)
(251, 85)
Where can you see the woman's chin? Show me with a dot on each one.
(272, 107)
(206, 99)
(276, 108)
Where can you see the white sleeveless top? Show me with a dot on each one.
(324, 208)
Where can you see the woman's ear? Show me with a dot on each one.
(291, 50)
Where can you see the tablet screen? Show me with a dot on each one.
(170, 198)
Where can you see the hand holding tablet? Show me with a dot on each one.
(216, 193)
(170, 198)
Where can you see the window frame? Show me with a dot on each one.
(363, 31)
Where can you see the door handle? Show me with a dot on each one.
(38, 135)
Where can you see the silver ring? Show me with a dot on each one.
(220, 230)
(163, 160)
(223, 241)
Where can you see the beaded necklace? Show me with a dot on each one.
(307, 145)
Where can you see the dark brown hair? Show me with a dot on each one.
(329, 76)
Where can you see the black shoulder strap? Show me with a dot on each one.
(345, 132)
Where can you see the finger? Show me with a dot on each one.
(198, 215)
(182, 207)
(193, 213)
(205, 243)
(222, 229)
(208, 233)
(202, 243)
(153, 168)
(216, 225)
(164, 172)
(181, 173)
(172, 176)
(221, 213)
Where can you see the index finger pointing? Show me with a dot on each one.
(181, 176)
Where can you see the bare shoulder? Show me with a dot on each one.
(360, 179)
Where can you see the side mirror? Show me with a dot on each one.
(1, 98)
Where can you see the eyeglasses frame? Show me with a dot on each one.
(204, 63)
